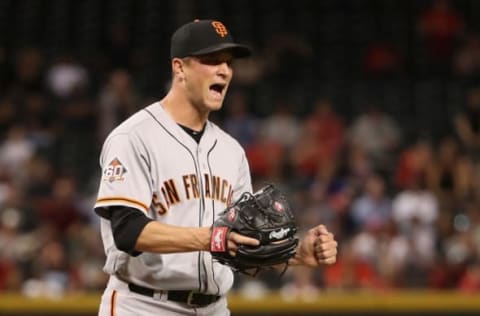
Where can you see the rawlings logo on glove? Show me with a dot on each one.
(279, 234)
(218, 242)
(264, 215)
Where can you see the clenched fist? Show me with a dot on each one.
(318, 247)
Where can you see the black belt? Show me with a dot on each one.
(190, 298)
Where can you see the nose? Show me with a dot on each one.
(224, 70)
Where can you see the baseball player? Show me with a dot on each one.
(167, 171)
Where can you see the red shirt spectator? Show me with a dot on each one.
(381, 59)
(440, 25)
(60, 210)
(322, 138)
(412, 164)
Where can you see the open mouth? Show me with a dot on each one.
(217, 88)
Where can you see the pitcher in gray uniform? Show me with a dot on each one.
(167, 171)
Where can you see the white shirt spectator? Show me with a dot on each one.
(65, 77)
(15, 151)
(282, 127)
(411, 204)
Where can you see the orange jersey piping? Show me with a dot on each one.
(122, 199)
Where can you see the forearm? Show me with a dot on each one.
(162, 238)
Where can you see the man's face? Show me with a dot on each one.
(207, 78)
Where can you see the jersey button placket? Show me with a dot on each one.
(201, 163)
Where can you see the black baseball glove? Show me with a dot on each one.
(264, 215)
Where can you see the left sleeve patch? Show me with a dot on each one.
(114, 171)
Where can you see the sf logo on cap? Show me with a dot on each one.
(220, 28)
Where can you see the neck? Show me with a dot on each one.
(183, 111)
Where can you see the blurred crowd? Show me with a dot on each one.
(405, 207)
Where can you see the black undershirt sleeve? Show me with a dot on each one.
(127, 223)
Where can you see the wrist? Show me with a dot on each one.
(296, 260)
(206, 233)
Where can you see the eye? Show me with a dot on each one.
(215, 60)
(209, 60)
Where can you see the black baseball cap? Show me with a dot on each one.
(202, 37)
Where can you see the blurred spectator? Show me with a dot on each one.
(393, 254)
(19, 242)
(338, 190)
(85, 258)
(458, 254)
(327, 126)
(415, 210)
(240, 121)
(470, 281)
(16, 150)
(117, 100)
(266, 158)
(287, 54)
(351, 272)
(472, 211)
(377, 133)
(249, 71)
(16, 202)
(315, 207)
(320, 140)
(358, 167)
(440, 26)
(302, 286)
(381, 60)
(10, 274)
(306, 156)
(36, 178)
(77, 116)
(60, 210)
(467, 124)
(38, 117)
(373, 207)
(450, 173)
(9, 114)
(4, 67)
(466, 61)
(467, 128)
(51, 274)
(118, 46)
(415, 205)
(66, 77)
(28, 71)
(413, 163)
(281, 126)
(76, 144)
(458, 245)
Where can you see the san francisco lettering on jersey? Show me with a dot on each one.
(213, 187)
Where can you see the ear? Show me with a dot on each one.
(177, 68)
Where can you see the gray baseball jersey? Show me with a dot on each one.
(151, 164)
